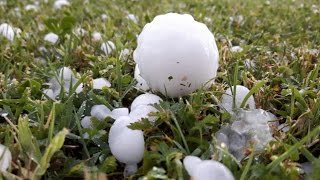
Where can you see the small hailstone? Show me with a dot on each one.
(206, 169)
(241, 93)
(145, 99)
(31, 7)
(141, 83)
(51, 38)
(124, 54)
(7, 31)
(107, 47)
(66, 74)
(58, 4)
(99, 83)
(5, 158)
(100, 111)
(176, 54)
(96, 36)
(143, 111)
(86, 122)
(236, 49)
(79, 89)
(80, 32)
(117, 112)
(126, 145)
(49, 93)
(104, 17)
(237, 19)
(133, 18)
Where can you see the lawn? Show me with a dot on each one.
(278, 60)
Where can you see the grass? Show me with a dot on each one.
(45, 137)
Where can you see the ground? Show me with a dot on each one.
(279, 61)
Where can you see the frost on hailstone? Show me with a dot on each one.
(7, 31)
(176, 54)
(5, 158)
(241, 92)
(248, 127)
(206, 169)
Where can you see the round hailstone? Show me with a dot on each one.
(107, 47)
(100, 111)
(80, 32)
(176, 54)
(51, 38)
(58, 4)
(143, 111)
(206, 170)
(141, 83)
(86, 122)
(126, 145)
(124, 54)
(96, 36)
(241, 92)
(5, 159)
(145, 99)
(99, 83)
(118, 112)
(7, 31)
(236, 49)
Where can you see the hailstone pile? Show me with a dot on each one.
(176, 55)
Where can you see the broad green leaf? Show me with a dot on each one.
(27, 140)
(54, 146)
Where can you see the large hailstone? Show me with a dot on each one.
(206, 169)
(126, 145)
(5, 158)
(176, 54)
(241, 92)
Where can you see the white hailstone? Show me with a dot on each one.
(124, 54)
(190, 162)
(7, 31)
(31, 7)
(51, 38)
(96, 36)
(60, 3)
(145, 99)
(79, 89)
(143, 111)
(49, 93)
(176, 54)
(86, 122)
(141, 83)
(5, 158)
(236, 49)
(99, 83)
(107, 47)
(66, 74)
(80, 32)
(241, 92)
(206, 169)
(126, 145)
(100, 111)
(104, 17)
(132, 17)
(117, 112)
